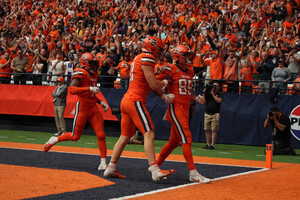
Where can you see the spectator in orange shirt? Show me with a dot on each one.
(215, 64)
(296, 85)
(5, 67)
(231, 72)
(54, 33)
(254, 58)
(246, 75)
(124, 70)
(231, 37)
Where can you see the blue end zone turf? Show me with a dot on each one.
(137, 180)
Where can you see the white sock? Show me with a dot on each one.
(193, 172)
(112, 166)
(103, 161)
(53, 140)
(154, 168)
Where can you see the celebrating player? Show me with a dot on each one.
(134, 112)
(180, 76)
(84, 85)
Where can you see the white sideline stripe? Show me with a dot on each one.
(30, 139)
(135, 158)
(3, 137)
(165, 189)
(89, 143)
(185, 185)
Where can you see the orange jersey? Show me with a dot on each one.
(124, 68)
(216, 68)
(5, 69)
(87, 80)
(138, 85)
(181, 84)
(247, 74)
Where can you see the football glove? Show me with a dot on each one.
(104, 106)
(95, 90)
(168, 98)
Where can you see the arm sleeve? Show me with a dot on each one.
(78, 90)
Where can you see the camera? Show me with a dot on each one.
(209, 87)
(270, 113)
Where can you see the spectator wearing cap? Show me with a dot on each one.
(60, 100)
(281, 75)
(215, 64)
(19, 65)
(293, 61)
(5, 68)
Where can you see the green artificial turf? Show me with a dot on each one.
(89, 141)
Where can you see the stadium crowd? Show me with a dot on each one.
(251, 43)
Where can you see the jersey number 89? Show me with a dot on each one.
(185, 86)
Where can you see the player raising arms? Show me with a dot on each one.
(134, 112)
(84, 85)
(180, 84)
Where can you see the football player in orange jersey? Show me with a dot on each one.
(181, 75)
(134, 112)
(84, 85)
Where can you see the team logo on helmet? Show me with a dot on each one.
(88, 61)
(152, 45)
(182, 54)
(295, 122)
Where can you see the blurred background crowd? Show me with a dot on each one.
(249, 45)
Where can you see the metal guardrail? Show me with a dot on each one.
(115, 82)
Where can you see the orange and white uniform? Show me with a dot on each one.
(178, 112)
(86, 109)
(133, 109)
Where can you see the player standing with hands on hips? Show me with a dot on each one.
(134, 112)
(180, 84)
(84, 85)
